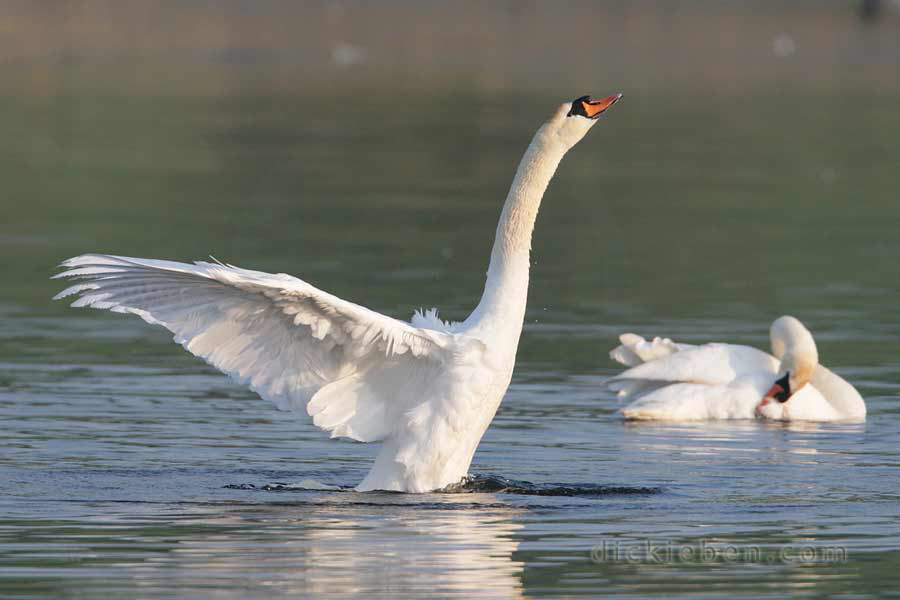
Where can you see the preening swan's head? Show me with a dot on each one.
(572, 120)
(795, 346)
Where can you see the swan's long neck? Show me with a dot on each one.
(794, 345)
(502, 306)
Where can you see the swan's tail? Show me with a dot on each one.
(635, 350)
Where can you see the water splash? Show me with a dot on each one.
(501, 485)
(477, 484)
(306, 485)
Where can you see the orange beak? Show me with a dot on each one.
(774, 392)
(594, 108)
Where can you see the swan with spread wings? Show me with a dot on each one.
(426, 389)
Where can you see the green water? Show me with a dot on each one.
(700, 215)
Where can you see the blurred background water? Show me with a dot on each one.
(750, 171)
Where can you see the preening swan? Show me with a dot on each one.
(426, 389)
(681, 382)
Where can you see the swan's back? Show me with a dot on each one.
(842, 396)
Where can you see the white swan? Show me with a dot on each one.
(426, 389)
(680, 382)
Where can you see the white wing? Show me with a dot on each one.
(710, 364)
(291, 342)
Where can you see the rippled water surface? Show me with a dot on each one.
(130, 469)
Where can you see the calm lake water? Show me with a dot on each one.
(129, 468)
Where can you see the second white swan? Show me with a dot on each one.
(681, 382)
(426, 389)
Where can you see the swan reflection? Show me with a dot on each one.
(341, 543)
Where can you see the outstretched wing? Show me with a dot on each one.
(291, 342)
(710, 364)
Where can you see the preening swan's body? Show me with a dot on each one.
(426, 389)
(681, 382)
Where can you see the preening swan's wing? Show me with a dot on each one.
(711, 364)
(291, 342)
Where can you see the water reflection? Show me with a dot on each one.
(343, 543)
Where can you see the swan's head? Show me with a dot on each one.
(572, 120)
(795, 346)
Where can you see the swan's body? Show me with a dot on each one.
(680, 382)
(426, 389)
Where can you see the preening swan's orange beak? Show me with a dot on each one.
(594, 108)
(774, 393)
